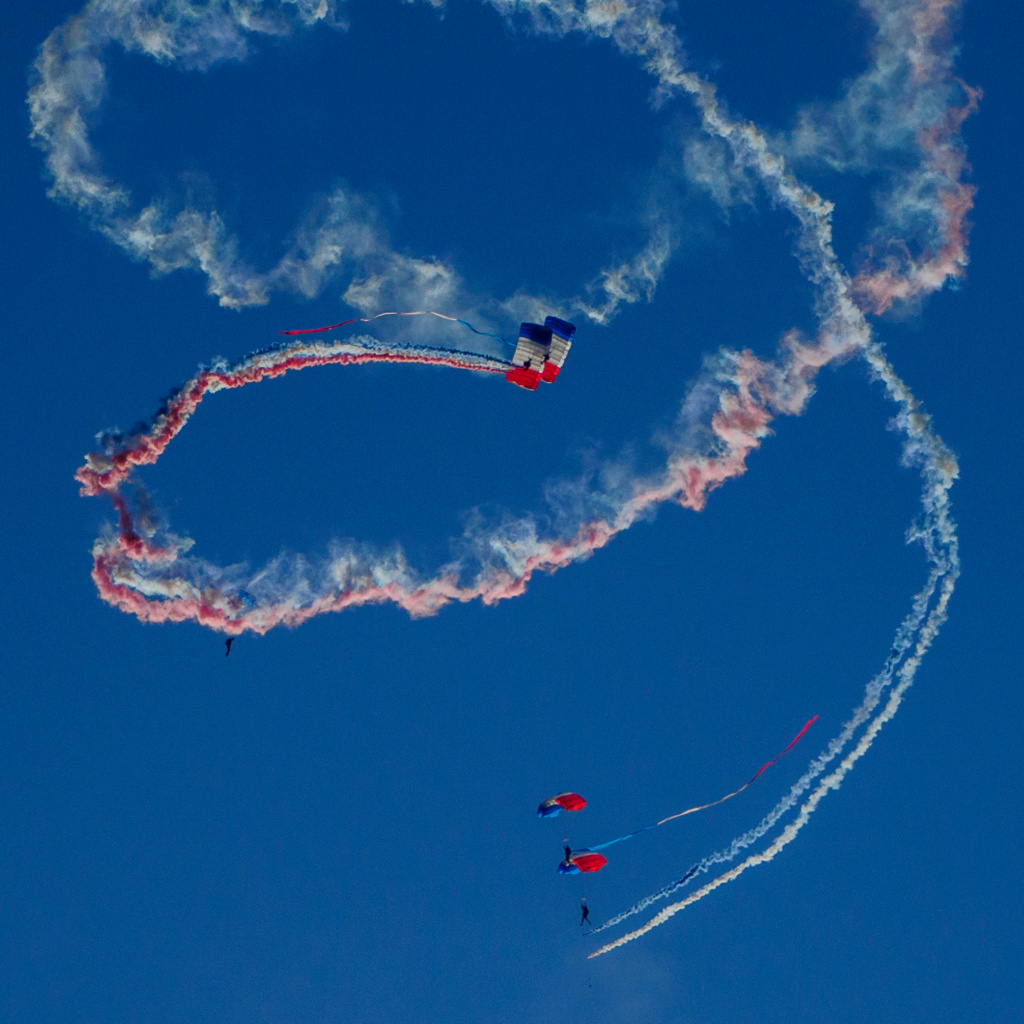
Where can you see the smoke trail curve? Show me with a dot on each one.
(916, 632)
(146, 570)
(921, 236)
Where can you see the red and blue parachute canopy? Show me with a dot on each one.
(563, 802)
(562, 333)
(540, 352)
(582, 861)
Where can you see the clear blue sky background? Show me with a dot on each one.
(337, 823)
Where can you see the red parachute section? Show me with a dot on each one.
(562, 802)
(585, 861)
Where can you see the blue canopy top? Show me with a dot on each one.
(541, 335)
(562, 328)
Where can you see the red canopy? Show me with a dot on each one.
(570, 801)
(589, 861)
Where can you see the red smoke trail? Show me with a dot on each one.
(902, 276)
(149, 572)
(155, 580)
(104, 473)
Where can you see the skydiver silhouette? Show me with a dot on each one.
(227, 643)
(568, 852)
(586, 911)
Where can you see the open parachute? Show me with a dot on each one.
(551, 807)
(582, 861)
(540, 352)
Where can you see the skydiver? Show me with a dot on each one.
(568, 852)
(227, 644)
(586, 911)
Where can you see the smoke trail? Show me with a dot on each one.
(915, 31)
(344, 237)
(144, 569)
(918, 245)
(939, 535)
(918, 629)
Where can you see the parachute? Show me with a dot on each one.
(540, 352)
(585, 861)
(920, 237)
(551, 807)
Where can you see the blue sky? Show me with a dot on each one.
(337, 823)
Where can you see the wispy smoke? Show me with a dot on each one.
(900, 118)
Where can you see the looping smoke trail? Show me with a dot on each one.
(144, 569)
(903, 115)
(343, 236)
(939, 536)
(843, 319)
(937, 532)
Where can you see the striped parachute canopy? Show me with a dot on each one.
(562, 333)
(540, 352)
(530, 355)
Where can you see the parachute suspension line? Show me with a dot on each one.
(414, 312)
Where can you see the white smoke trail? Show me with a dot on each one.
(938, 534)
(940, 537)
(921, 233)
(936, 195)
(872, 695)
(344, 237)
